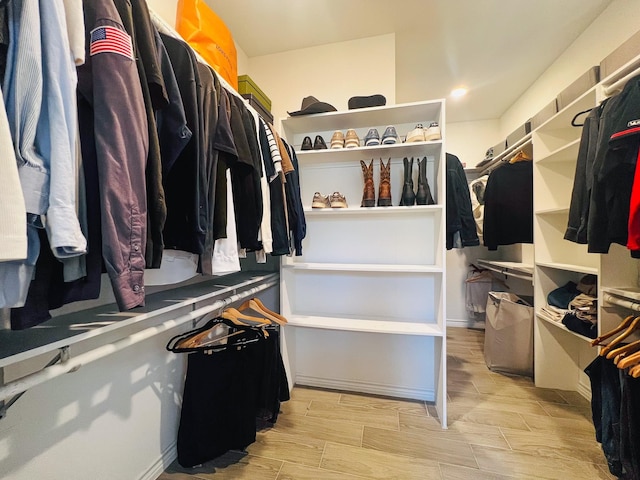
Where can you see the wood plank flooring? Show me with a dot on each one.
(500, 427)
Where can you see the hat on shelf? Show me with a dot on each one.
(364, 102)
(313, 105)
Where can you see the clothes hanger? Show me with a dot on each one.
(635, 371)
(521, 156)
(575, 117)
(624, 324)
(632, 360)
(630, 329)
(248, 320)
(621, 352)
(257, 306)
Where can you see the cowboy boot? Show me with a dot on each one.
(423, 193)
(384, 188)
(369, 192)
(408, 195)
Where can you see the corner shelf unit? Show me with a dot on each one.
(366, 300)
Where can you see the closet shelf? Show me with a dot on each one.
(397, 150)
(568, 267)
(560, 326)
(553, 211)
(415, 209)
(562, 119)
(366, 325)
(628, 293)
(66, 330)
(514, 269)
(353, 267)
(498, 160)
(566, 154)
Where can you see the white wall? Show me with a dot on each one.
(615, 25)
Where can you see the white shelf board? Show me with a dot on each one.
(352, 267)
(568, 267)
(553, 211)
(562, 119)
(560, 326)
(566, 154)
(417, 112)
(373, 210)
(396, 150)
(631, 293)
(515, 266)
(504, 156)
(365, 325)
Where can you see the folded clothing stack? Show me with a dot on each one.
(577, 305)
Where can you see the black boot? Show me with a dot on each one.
(423, 194)
(408, 195)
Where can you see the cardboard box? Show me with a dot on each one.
(253, 101)
(247, 86)
(545, 114)
(519, 133)
(578, 87)
(620, 56)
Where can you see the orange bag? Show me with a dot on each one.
(209, 36)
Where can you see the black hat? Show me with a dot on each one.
(370, 101)
(313, 105)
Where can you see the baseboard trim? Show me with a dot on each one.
(160, 465)
(584, 390)
(464, 323)
(427, 395)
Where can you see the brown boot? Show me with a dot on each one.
(384, 188)
(369, 192)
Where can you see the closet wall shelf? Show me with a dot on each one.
(366, 325)
(565, 154)
(523, 271)
(560, 326)
(553, 211)
(414, 149)
(568, 267)
(351, 267)
(628, 293)
(562, 119)
(499, 160)
(373, 210)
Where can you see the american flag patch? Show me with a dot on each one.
(108, 39)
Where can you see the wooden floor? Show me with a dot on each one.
(500, 427)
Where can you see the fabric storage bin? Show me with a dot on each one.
(266, 115)
(620, 56)
(247, 86)
(578, 87)
(519, 133)
(545, 114)
(508, 339)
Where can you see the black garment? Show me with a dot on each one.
(137, 22)
(295, 210)
(577, 226)
(614, 169)
(508, 213)
(581, 327)
(630, 426)
(459, 211)
(181, 181)
(605, 408)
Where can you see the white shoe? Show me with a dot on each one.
(416, 135)
(433, 132)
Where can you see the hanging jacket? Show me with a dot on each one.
(459, 213)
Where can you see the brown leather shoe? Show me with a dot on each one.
(384, 187)
(369, 192)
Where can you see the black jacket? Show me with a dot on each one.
(459, 212)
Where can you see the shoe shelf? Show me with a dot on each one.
(366, 299)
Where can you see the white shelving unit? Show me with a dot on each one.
(560, 355)
(366, 300)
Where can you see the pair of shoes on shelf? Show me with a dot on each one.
(421, 134)
(335, 200)
(369, 191)
(340, 140)
(318, 144)
(423, 194)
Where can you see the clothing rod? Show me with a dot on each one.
(29, 381)
(505, 271)
(630, 304)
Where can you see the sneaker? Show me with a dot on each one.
(390, 135)
(337, 200)
(320, 201)
(372, 138)
(337, 139)
(319, 143)
(306, 144)
(351, 139)
(416, 135)
(433, 132)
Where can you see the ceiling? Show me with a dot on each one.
(497, 48)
